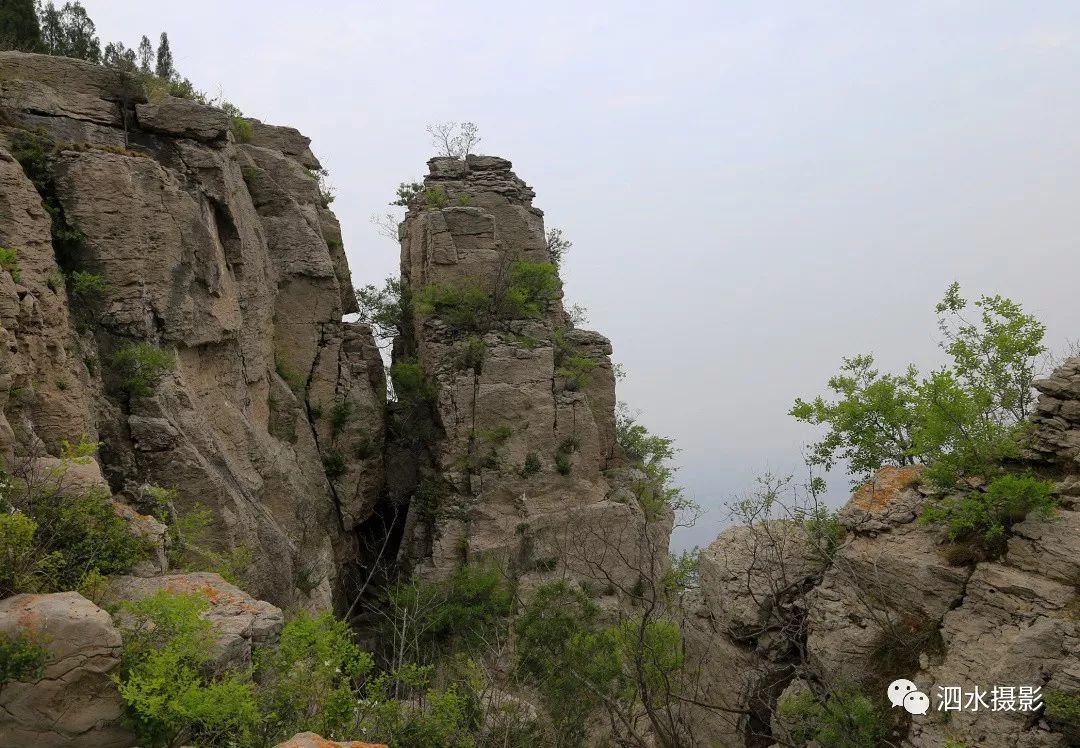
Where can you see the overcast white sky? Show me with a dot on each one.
(754, 189)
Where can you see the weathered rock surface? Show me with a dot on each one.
(891, 605)
(311, 740)
(239, 622)
(74, 704)
(502, 403)
(223, 253)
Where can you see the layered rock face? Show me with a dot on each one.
(891, 603)
(219, 252)
(517, 462)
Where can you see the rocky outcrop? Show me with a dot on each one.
(893, 603)
(74, 704)
(513, 462)
(220, 253)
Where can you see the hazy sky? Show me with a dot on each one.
(754, 189)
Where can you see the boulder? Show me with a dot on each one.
(239, 622)
(311, 740)
(74, 704)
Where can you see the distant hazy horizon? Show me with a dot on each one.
(753, 189)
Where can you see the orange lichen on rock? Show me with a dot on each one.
(885, 486)
(311, 740)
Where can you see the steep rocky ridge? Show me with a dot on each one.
(891, 603)
(221, 251)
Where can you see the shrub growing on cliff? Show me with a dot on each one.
(86, 286)
(985, 516)
(142, 366)
(577, 371)
(9, 261)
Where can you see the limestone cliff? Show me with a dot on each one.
(776, 617)
(218, 252)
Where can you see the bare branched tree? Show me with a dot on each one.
(454, 139)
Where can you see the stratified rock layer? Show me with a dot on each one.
(526, 462)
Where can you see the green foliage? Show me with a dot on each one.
(532, 464)
(407, 192)
(22, 567)
(9, 261)
(577, 664)
(532, 286)
(54, 279)
(683, 572)
(142, 366)
(843, 720)
(870, 423)
(566, 447)
(68, 32)
(189, 543)
(498, 435)
(411, 383)
(652, 454)
(334, 465)
(163, 680)
(340, 414)
(985, 516)
(435, 198)
(1062, 708)
(305, 683)
(473, 353)
(465, 308)
(432, 718)
(557, 246)
(86, 286)
(577, 371)
(55, 535)
(164, 68)
(463, 612)
(19, 27)
(962, 420)
(548, 631)
(326, 191)
(468, 309)
(22, 658)
(388, 309)
(242, 129)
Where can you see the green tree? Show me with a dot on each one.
(165, 68)
(119, 57)
(69, 32)
(146, 56)
(962, 419)
(19, 28)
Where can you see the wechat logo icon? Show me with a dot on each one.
(906, 694)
